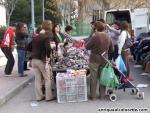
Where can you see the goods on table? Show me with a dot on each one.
(79, 44)
(76, 58)
(71, 87)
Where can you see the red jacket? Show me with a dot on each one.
(8, 39)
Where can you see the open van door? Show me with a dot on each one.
(120, 15)
(141, 21)
(137, 18)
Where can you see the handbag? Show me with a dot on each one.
(128, 42)
(107, 77)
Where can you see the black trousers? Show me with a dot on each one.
(10, 60)
(114, 55)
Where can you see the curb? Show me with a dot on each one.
(8, 95)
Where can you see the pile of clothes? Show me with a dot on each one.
(141, 50)
(76, 58)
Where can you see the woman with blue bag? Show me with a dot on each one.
(98, 43)
(123, 47)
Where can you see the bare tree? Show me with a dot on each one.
(10, 6)
(116, 4)
(65, 7)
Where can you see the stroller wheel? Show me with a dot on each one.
(109, 92)
(112, 97)
(140, 95)
(135, 91)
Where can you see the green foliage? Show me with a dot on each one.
(51, 11)
(2, 31)
(22, 12)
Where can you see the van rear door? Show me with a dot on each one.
(120, 14)
(141, 21)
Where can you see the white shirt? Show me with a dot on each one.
(122, 39)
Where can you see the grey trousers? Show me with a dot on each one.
(95, 69)
(40, 74)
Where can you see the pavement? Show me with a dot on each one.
(24, 101)
(10, 86)
(24, 98)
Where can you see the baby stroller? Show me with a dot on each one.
(123, 83)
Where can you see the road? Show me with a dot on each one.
(25, 102)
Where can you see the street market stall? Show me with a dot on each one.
(71, 72)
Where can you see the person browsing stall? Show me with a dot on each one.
(98, 43)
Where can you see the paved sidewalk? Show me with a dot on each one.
(10, 86)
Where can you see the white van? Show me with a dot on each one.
(137, 18)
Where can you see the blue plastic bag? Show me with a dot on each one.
(120, 64)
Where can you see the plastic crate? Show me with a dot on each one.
(71, 89)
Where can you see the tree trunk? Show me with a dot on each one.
(7, 18)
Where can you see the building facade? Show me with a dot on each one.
(3, 16)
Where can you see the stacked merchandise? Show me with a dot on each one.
(141, 51)
(76, 58)
(71, 86)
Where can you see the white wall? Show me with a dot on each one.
(2, 16)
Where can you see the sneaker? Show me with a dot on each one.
(40, 99)
(24, 75)
(26, 69)
(8, 75)
(54, 98)
(92, 98)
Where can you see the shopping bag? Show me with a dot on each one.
(107, 77)
(49, 72)
(120, 64)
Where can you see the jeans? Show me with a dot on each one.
(21, 59)
(125, 58)
(114, 55)
(10, 60)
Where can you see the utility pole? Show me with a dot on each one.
(32, 15)
(43, 10)
(148, 14)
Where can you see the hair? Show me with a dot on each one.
(101, 20)
(53, 29)
(47, 25)
(124, 25)
(19, 25)
(14, 24)
(99, 26)
(38, 29)
(68, 28)
(117, 23)
(92, 22)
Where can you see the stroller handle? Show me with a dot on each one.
(105, 58)
(103, 53)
